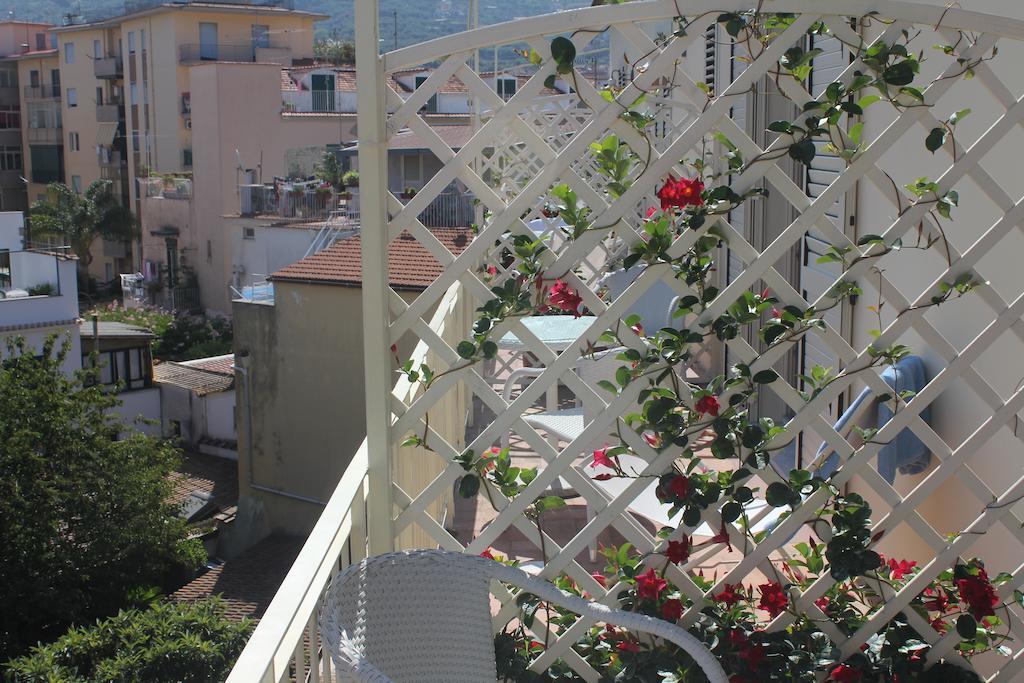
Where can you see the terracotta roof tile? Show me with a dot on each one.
(224, 365)
(202, 382)
(208, 474)
(248, 582)
(410, 265)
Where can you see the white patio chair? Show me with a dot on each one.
(424, 616)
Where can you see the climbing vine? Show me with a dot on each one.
(682, 236)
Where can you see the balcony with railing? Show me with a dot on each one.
(194, 53)
(42, 92)
(44, 135)
(292, 200)
(166, 187)
(108, 68)
(674, 383)
(318, 101)
(37, 286)
(110, 112)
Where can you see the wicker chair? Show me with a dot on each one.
(424, 616)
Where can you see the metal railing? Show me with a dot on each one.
(286, 643)
(50, 135)
(221, 52)
(110, 112)
(42, 92)
(303, 203)
(315, 101)
(450, 209)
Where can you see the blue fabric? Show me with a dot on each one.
(906, 453)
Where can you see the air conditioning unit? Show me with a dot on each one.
(188, 123)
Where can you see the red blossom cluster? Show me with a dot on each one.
(978, 593)
(680, 193)
(565, 298)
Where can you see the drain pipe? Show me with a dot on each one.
(241, 365)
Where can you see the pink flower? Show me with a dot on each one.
(627, 646)
(653, 440)
(672, 610)
(900, 569)
(678, 551)
(601, 458)
(729, 595)
(651, 210)
(565, 298)
(639, 329)
(681, 193)
(492, 270)
(773, 598)
(708, 405)
(649, 585)
(599, 577)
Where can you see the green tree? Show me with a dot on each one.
(335, 51)
(166, 643)
(81, 219)
(329, 169)
(85, 528)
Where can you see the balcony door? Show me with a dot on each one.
(322, 89)
(207, 40)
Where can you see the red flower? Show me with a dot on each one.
(651, 210)
(653, 440)
(708, 405)
(939, 603)
(672, 610)
(753, 655)
(822, 604)
(487, 553)
(639, 329)
(680, 486)
(773, 598)
(492, 270)
(649, 585)
(394, 348)
(627, 646)
(599, 577)
(900, 569)
(979, 594)
(678, 551)
(844, 673)
(738, 638)
(729, 595)
(601, 458)
(681, 193)
(722, 537)
(565, 298)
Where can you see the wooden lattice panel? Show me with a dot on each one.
(526, 146)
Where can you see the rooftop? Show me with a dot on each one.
(410, 265)
(200, 380)
(114, 330)
(210, 475)
(248, 582)
(140, 8)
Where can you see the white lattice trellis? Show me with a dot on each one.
(533, 141)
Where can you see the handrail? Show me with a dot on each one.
(268, 654)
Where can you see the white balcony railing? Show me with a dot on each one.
(318, 101)
(286, 644)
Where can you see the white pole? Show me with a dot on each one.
(373, 150)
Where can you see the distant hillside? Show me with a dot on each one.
(418, 20)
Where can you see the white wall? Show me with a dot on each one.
(36, 337)
(11, 225)
(141, 403)
(220, 415)
(271, 249)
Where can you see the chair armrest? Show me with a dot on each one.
(547, 592)
(515, 377)
(348, 659)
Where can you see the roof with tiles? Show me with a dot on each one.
(197, 380)
(248, 582)
(410, 265)
(224, 365)
(209, 474)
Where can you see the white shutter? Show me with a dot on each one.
(816, 278)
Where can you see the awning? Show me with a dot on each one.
(105, 133)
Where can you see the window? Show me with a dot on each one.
(249, 233)
(431, 105)
(72, 97)
(260, 35)
(142, 40)
(10, 116)
(109, 270)
(97, 49)
(76, 184)
(5, 269)
(47, 163)
(133, 93)
(506, 87)
(131, 42)
(33, 78)
(186, 155)
(73, 141)
(209, 251)
(40, 41)
(10, 158)
(69, 53)
(55, 79)
(145, 92)
(99, 96)
(8, 78)
(412, 171)
(129, 368)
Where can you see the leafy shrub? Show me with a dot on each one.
(168, 642)
(179, 336)
(350, 179)
(44, 289)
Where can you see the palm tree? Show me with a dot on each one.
(80, 219)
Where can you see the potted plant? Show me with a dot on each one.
(408, 193)
(350, 178)
(549, 211)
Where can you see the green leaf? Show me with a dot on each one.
(765, 377)
(731, 511)
(549, 82)
(469, 486)
(465, 349)
(966, 627)
(563, 51)
(935, 140)
(778, 494)
(780, 127)
(803, 151)
(957, 117)
(900, 73)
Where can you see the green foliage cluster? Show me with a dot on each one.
(165, 643)
(85, 528)
(179, 336)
